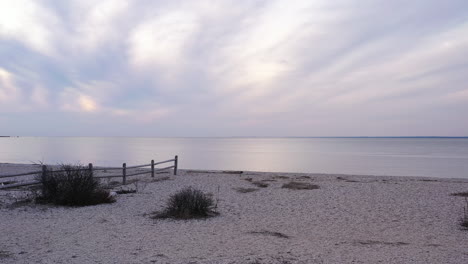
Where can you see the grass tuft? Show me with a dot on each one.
(188, 203)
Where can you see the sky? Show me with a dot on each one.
(234, 68)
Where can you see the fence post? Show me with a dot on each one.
(124, 173)
(175, 165)
(90, 166)
(44, 171)
(152, 168)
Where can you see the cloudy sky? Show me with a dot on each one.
(234, 68)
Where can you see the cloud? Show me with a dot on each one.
(457, 97)
(28, 22)
(14, 98)
(8, 91)
(239, 68)
(39, 97)
(75, 101)
(161, 41)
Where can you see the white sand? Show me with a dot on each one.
(350, 219)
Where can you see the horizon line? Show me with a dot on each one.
(250, 136)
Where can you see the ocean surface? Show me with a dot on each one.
(433, 157)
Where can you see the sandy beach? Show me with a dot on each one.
(348, 219)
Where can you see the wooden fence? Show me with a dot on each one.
(125, 172)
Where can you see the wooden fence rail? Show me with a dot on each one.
(20, 174)
(92, 169)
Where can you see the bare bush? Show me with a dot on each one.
(188, 203)
(73, 186)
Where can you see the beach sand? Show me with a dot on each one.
(348, 219)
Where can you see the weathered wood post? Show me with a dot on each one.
(152, 168)
(44, 171)
(124, 173)
(90, 167)
(175, 165)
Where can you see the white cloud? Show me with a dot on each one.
(16, 98)
(28, 22)
(162, 40)
(97, 23)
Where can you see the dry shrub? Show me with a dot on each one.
(300, 186)
(72, 186)
(187, 204)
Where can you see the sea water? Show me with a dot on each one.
(433, 157)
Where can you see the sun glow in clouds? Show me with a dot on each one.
(87, 104)
(75, 101)
(7, 89)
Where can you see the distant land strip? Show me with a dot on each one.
(442, 137)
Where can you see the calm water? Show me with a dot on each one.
(436, 157)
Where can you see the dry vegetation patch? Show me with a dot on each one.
(268, 180)
(5, 254)
(125, 191)
(293, 185)
(345, 179)
(281, 177)
(260, 184)
(462, 194)
(384, 243)
(72, 185)
(232, 172)
(269, 233)
(188, 203)
(21, 203)
(245, 190)
(165, 178)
